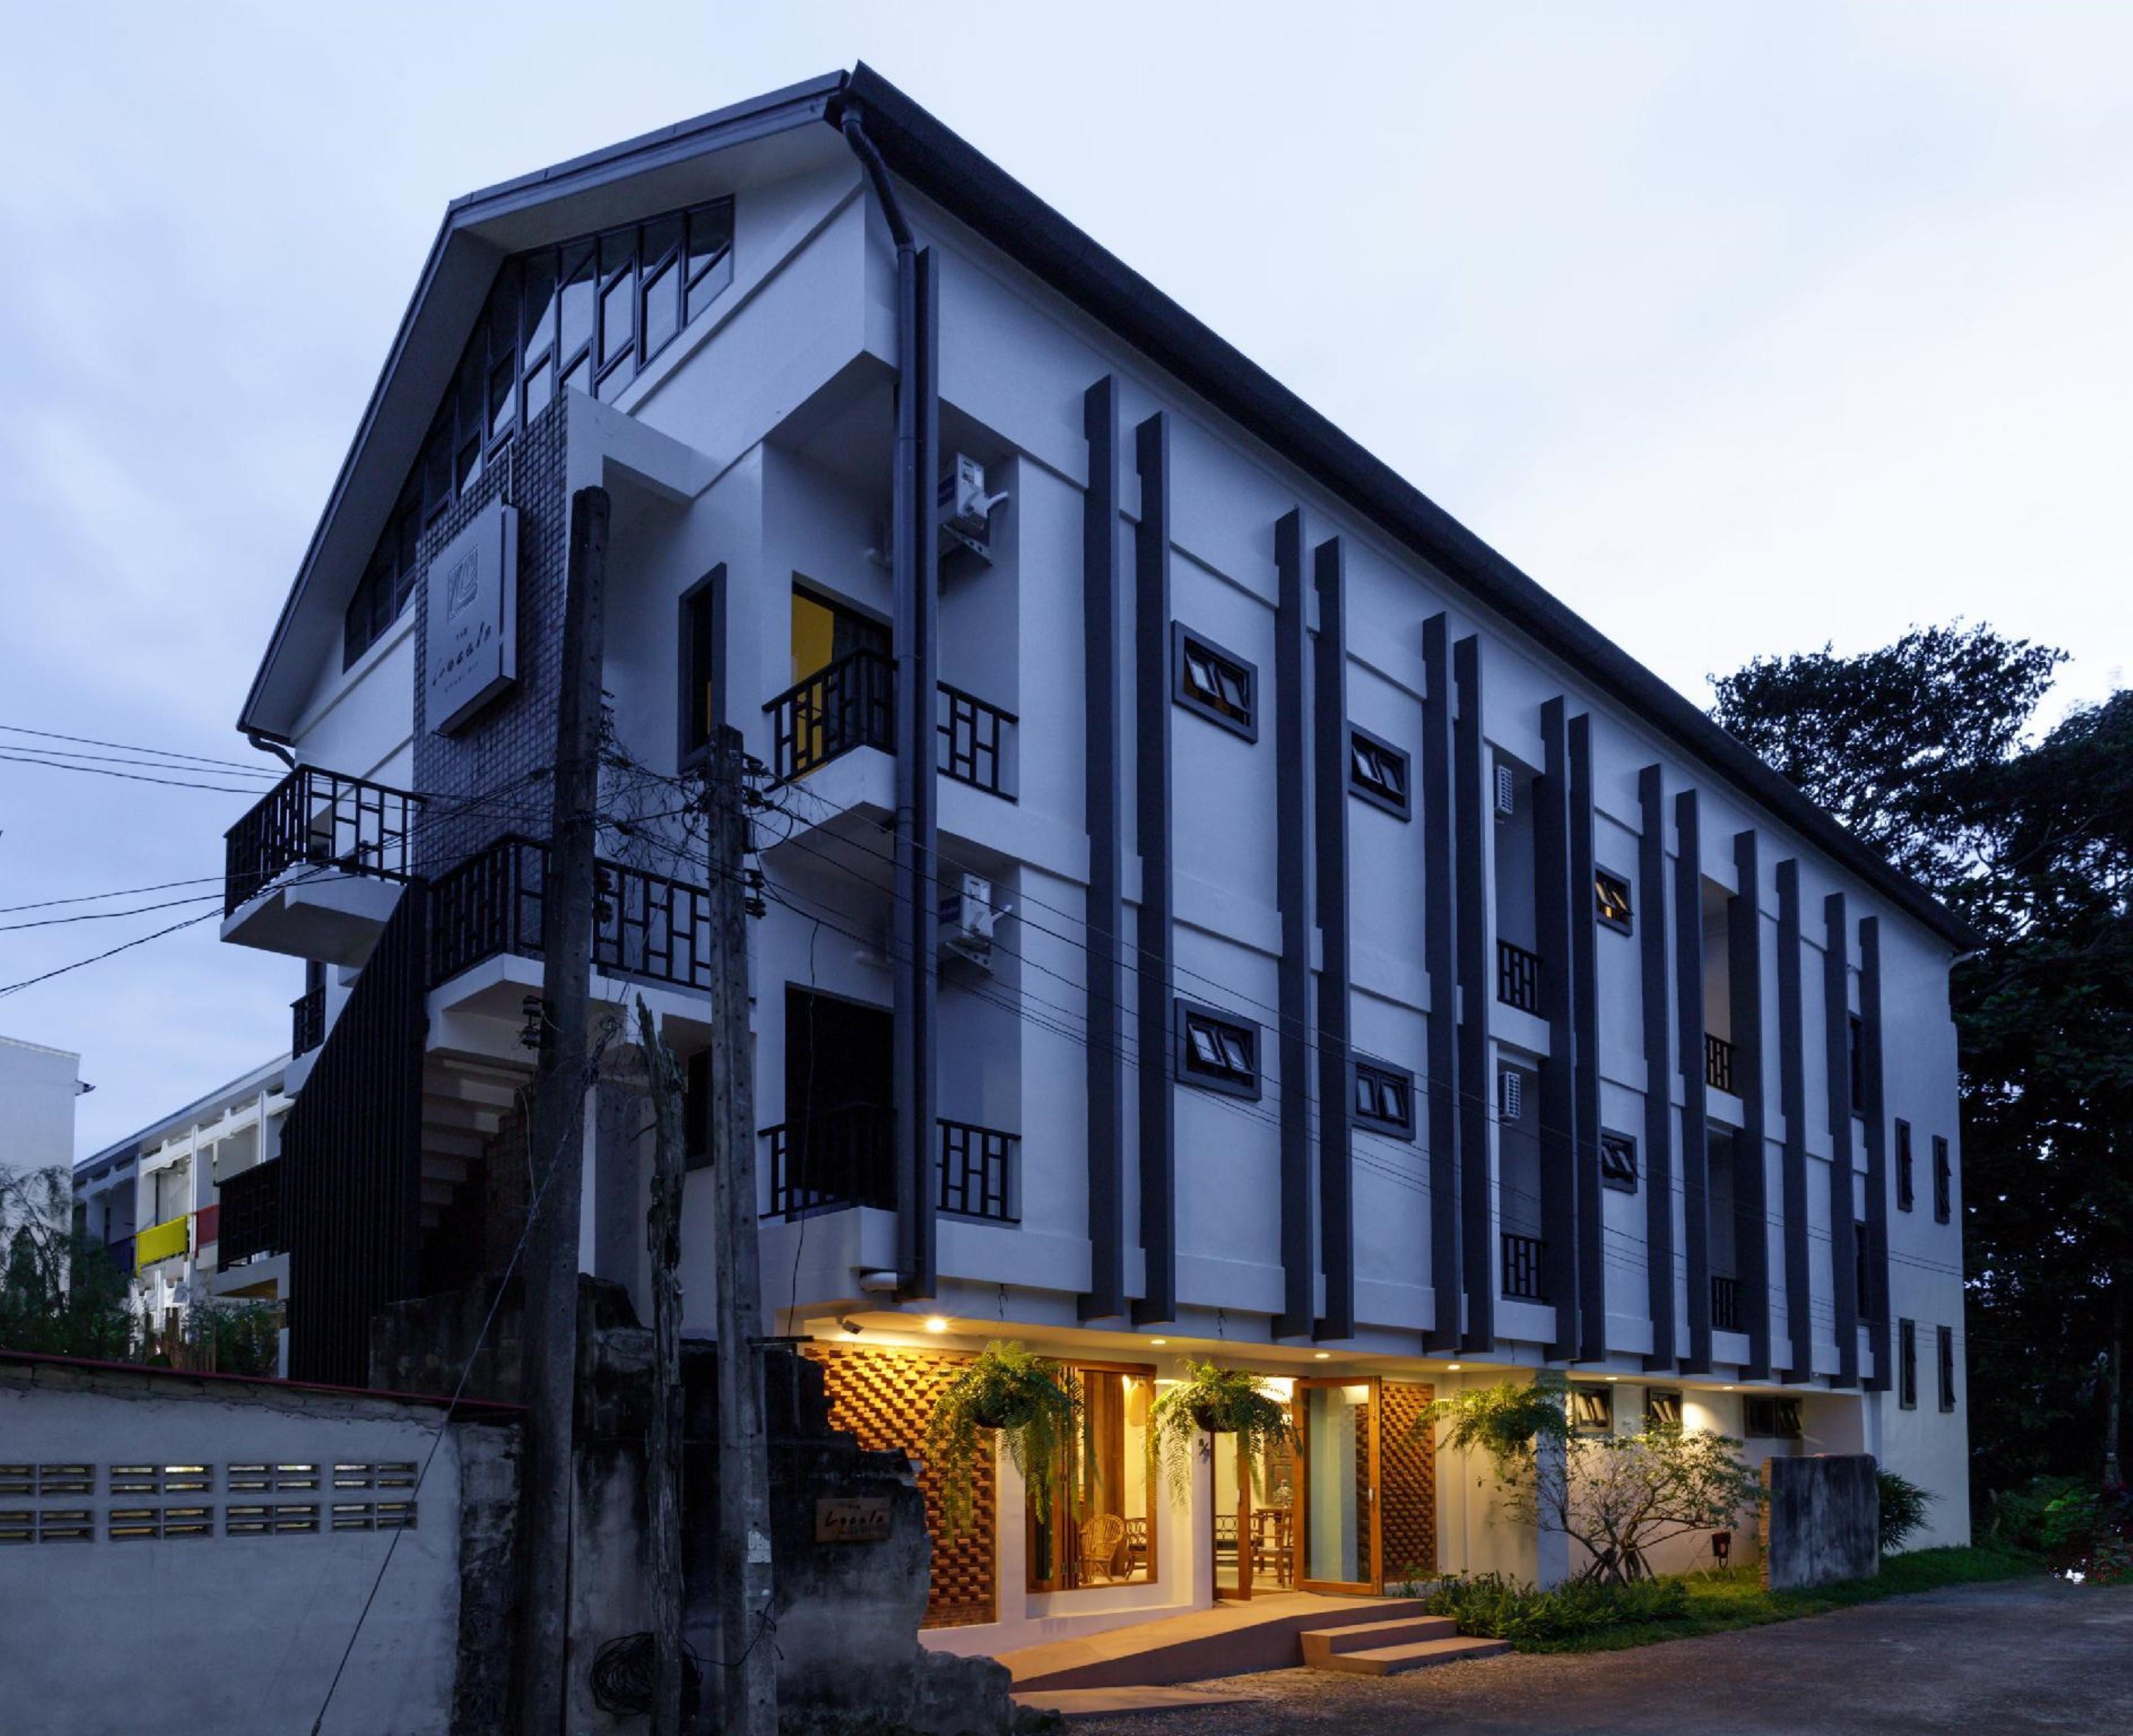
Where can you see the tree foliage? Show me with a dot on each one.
(1925, 749)
(60, 1293)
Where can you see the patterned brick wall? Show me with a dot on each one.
(476, 780)
(883, 1397)
(1407, 1483)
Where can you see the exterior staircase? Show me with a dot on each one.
(1391, 1648)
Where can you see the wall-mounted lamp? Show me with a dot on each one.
(936, 1324)
(850, 1325)
(533, 1010)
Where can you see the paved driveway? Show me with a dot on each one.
(2026, 1654)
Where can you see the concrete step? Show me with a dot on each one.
(1395, 1660)
(1323, 1642)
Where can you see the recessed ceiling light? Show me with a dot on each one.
(1453, 1367)
(1612, 1378)
(1725, 1389)
(937, 1324)
(1158, 1342)
(1320, 1355)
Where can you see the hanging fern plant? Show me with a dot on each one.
(1031, 1405)
(1212, 1400)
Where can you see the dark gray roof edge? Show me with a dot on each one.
(792, 106)
(977, 192)
(130, 1146)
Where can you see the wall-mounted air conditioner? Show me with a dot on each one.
(1510, 1093)
(966, 508)
(1507, 792)
(967, 916)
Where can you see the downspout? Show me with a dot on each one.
(912, 919)
(274, 747)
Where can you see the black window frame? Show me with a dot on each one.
(1907, 1364)
(1655, 1399)
(1399, 802)
(1944, 1357)
(1619, 1145)
(1781, 1410)
(1944, 1180)
(1602, 879)
(1184, 639)
(1907, 1182)
(1582, 1396)
(1191, 1071)
(699, 641)
(1384, 1074)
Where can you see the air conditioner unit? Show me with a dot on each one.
(1510, 1093)
(967, 916)
(1507, 792)
(966, 508)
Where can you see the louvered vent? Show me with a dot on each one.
(1511, 1094)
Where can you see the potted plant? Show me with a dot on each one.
(1032, 1406)
(1212, 1400)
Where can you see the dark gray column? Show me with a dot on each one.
(1836, 1046)
(1293, 854)
(1751, 1168)
(1585, 1054)
(1476, 991)
(1151, 715)
(1695, 1113)
(1657, 1133)
(917, 590)
(1792, 1101)
(1337, 1188)
(1554, 926)
(1104, 805)
(1874, 1306)
(1440, 906)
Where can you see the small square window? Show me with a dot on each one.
(1217, 1052)
(1377, 773)
(1592, 1410)
(1618, 1162)
(1772, 1419)
(1611, 895)
(1661, 1408)
(1221, 688)
(1384, 1098)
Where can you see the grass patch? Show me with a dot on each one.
(1595, 1618)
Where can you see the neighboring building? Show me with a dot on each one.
(38, 1086)
(176, 1202)
(1365, 972)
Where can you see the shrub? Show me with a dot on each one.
(1496, 1607)
(2080, 1528)
(1904, 1507)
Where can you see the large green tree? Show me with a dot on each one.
(1925, 748)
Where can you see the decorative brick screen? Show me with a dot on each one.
(1407, 1483)
(884, 1397)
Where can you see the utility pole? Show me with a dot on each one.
(662, 1449)
(558, 1133)
(749, 1672)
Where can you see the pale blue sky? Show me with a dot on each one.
(1740, 327)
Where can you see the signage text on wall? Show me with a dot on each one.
(472, 645)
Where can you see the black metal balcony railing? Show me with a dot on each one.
(644, 925)
(1717, 1062)
(320, 818)
(973, 734)
(850, 704)
(846, 1156)
(1518, 977)
(976, 1166)
(307, 1021)
(251, 1214)
(1727, 1314)
(1523, 1281)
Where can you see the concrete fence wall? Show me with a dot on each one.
(1822, 1520)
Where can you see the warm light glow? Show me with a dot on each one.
(1320, 1355)
(1158, 1342)
(936, 1324)
(1725, 1389)
(1453, 1367)
(1612, 1378)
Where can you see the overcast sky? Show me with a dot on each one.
(1741, 328)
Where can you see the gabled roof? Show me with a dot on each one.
(978, 193)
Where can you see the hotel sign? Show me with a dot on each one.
(472, 641)
(852, 1519)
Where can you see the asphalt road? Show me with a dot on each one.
(2024, 1655)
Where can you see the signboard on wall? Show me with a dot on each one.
(472, 646)
(851, 1519)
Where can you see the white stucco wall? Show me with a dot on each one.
(37, 1088)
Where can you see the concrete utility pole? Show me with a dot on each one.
(750, 1660)
(560, 1080)
(662, 1448)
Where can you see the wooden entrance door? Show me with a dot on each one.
(1339, 1547)
(1230, 1518)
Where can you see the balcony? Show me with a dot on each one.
(851, 703)
(1728, 1310)
(1523, 1278)
(314, 870)
(169, 1240)
(847, 1156)
(251, 1215)
(1518, 977)
(645, 926)
(307, 1021)
(1717, 1063)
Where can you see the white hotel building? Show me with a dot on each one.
(1390, 982)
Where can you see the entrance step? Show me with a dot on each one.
(1389, 1648)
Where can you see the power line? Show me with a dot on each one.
(87, 740)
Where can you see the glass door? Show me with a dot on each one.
(1336, 1426)
(1232, 1519)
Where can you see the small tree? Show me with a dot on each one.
(59, 1292)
